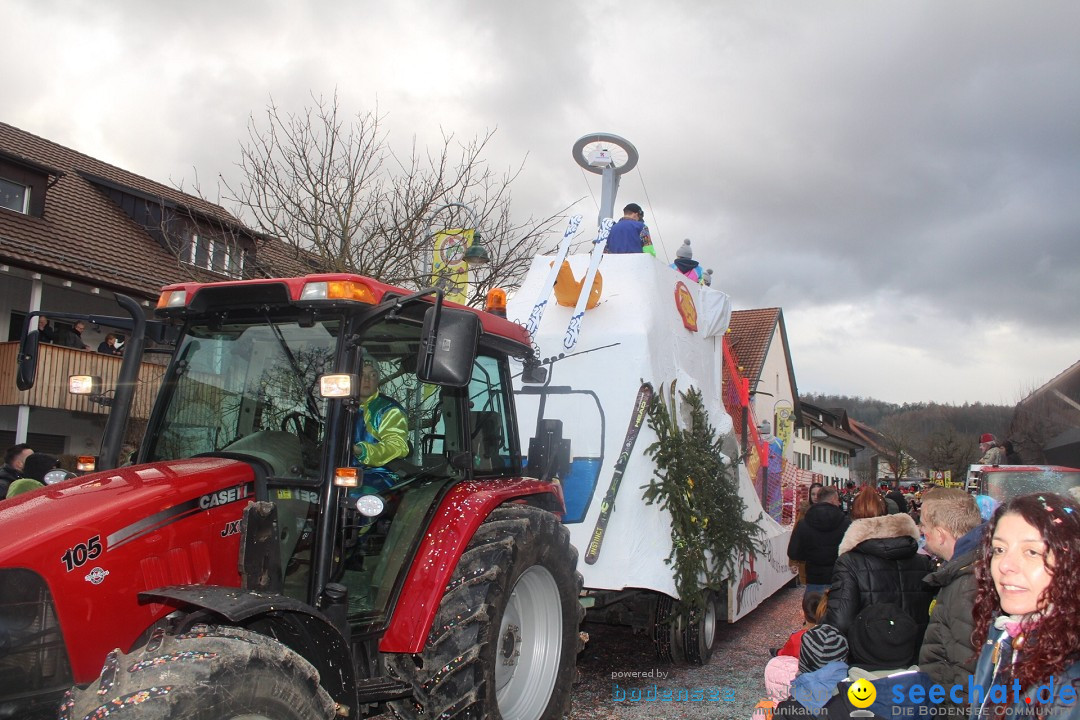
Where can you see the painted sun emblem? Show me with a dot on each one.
(684, 301)
(96, 576)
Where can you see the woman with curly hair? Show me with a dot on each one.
(1026, 610)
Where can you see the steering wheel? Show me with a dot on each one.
(298, 424)
(294, 423)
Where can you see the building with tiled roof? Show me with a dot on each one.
(833, 443)
(75, 230)
(758, 341)
(874, 461)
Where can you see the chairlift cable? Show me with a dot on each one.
(657, 236)
(592, 194)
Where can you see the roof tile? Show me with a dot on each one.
(84, 235)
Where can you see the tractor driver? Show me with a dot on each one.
(381, 433)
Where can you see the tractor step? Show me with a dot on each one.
(380, 689)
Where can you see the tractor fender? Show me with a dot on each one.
(460, 513)
(291, 622)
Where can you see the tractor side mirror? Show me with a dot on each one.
(448, 346)
(28, 359)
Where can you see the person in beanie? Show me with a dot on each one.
(630, 234)
(822, 666)
(992, 453)
(38, 464)
(821, 645)
(685, 262)
(813, 678)
(35, 467)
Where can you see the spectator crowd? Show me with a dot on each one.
(908, 590)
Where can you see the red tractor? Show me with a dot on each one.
(242, 567)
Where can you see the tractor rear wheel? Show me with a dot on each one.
(208, 673)
(505, 638)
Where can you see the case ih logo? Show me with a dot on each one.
(96, 576)
(223, 497)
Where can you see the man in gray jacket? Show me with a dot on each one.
(952, 525)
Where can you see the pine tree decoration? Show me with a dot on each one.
(698, 486)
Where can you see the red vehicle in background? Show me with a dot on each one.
(241, 568)
(1003, 482)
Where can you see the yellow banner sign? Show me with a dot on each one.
(448, 270)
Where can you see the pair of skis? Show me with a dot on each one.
(641, 409)
(537, 313)
(573, 330)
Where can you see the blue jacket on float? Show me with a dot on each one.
(630, 236)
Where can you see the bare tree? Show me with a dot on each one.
(951, 450)
(1038, 419)
(335, 192)
(898, 438)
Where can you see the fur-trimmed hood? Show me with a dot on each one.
(885, 527)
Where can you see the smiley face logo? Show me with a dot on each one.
(862, 693)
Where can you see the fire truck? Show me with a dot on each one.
(242, 567)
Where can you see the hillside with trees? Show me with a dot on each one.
(936, 436)
(970, 418)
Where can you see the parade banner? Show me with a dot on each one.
(448, 271)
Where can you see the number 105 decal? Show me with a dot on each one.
(82, 553)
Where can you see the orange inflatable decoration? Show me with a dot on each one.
(568, 288)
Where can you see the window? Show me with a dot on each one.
(14, 196)
(488, 411)
(215, 255)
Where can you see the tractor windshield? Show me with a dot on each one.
(249, 388)
(1006, 483)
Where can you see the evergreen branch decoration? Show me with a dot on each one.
(698, 486)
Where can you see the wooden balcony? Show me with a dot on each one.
(56, 363)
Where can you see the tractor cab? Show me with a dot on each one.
(330, 471)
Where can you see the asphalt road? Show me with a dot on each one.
(728, 687)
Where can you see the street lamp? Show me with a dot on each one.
(476, 254)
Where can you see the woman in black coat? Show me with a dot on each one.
(879, 563)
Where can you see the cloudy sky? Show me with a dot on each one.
(903, 178)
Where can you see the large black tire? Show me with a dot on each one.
(209, 673)
(684, 636)
(699, 630)
(667, 629)
(505, 639)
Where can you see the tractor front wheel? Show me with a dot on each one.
(505, 639)
(208, 673)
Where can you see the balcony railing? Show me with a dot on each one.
(56, 363)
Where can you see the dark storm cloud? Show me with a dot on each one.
(896, 175)
(931, 153)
